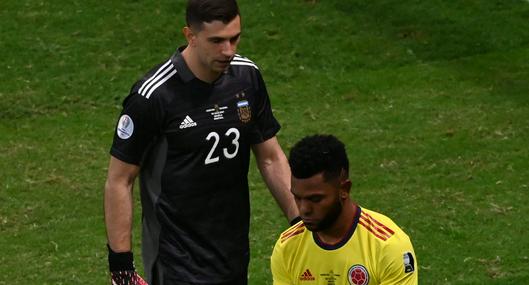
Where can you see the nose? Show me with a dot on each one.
(228, 49)
(305, 208)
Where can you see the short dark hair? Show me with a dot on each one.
(206, 11)
(318, 153)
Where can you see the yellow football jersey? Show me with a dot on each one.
(374, 251)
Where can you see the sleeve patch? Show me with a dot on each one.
(125, 127)
(409, 263)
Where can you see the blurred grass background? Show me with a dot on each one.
(431, 98)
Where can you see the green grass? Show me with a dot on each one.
(431, 98)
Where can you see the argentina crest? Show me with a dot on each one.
(244, 110)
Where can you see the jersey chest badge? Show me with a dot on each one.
(244, 111)
(243, 108)
(358, 275)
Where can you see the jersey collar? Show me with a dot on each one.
(183, 70)
(346, 237)
(181, 66)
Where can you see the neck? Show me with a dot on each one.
(197, 68)
(341, 226)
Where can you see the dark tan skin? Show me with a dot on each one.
(319, 201)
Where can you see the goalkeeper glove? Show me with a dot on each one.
(122, 271)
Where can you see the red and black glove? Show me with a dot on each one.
(122, 271)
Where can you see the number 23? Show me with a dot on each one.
(235, 141)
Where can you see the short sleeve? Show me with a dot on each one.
(399, 262)
(278, 265)
(266, 125)
(138, 124)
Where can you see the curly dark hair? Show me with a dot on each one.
(206, 11)
(319, 153)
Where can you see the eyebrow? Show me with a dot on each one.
(222, 38)
(307, 197)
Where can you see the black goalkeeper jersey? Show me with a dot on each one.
(192, 141)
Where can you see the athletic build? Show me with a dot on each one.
(338, 242)
(187, 129)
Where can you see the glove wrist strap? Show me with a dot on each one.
(120, 261)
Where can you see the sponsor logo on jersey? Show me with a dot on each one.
(125, 127)
(306, 276)
(408, 262)
(330, 277)
(358, 275)
(245, 113)
(187, 123)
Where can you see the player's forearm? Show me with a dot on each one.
(276, 174)
(118, 216)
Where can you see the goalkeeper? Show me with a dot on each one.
(187, 129)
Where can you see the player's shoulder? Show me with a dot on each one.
(151, 82)
(393, 246)
(378, 226)
(241, 62)
(292, 235)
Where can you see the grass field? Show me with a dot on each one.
(431, 98)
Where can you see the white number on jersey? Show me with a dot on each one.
(235, 141)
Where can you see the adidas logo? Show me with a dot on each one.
(187, 123)
(306, 276)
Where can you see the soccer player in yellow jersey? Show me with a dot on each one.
(337, 242)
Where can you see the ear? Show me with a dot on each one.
(189, 35)
(345, 188)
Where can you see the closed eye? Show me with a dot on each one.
(235, 39)
(315, 199)
(216, 40)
